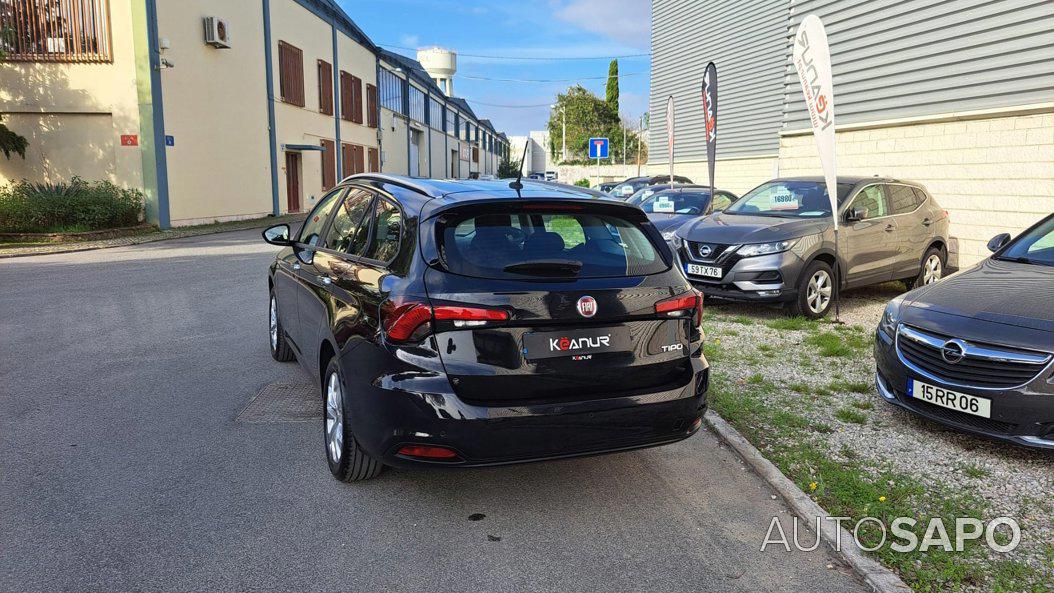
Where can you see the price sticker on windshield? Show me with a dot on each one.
(663, 204)
(785, 201)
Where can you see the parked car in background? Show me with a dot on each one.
(551, 175)
(536, 176)
(974, 351)
(634, 184)
(606, 186)
(668, 209)
(458, 323)
(776, 243)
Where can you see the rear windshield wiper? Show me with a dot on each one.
(546, 267)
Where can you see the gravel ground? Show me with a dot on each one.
(1013, 481)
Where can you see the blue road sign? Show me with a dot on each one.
(598, 148)
(170, 140)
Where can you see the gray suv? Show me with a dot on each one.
(776, 243)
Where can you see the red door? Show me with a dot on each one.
(292, 181)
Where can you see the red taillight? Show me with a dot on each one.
(689, 301)
(427, 452)
(408, 321)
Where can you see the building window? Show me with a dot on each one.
(350, 97)
(417, 104)
(374, 158)
(329, 164)
(371, 105)
(391, 87)
(55, 30)
(435, 114)
(353, 158)
(325, 87)
(291, 74)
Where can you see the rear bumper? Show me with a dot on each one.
(1022, 416)
(387, 418)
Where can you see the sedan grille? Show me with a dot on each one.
(967, 364)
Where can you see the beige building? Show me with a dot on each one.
(217, 109)
(425, 133)
(962, 105)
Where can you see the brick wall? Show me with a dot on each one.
(991, 175)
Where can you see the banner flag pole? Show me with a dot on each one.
(812, 60)
(710, 114)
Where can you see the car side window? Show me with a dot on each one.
(871, 202)
(350, 227)
(721, 201)
(387, 231)
(902, 199)
(920, 196)
(316, 221)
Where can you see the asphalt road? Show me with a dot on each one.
(125, 464)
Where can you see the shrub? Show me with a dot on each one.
(582, 183)
(79, 205)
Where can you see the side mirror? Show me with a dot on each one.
(998, 242)
(277, 235)
(853, 215)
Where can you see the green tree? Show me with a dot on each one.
(10, 141)
(612, 87)
(507, 168)
(587, 116)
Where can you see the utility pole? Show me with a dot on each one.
(640, 129)
(563, 134)
(623, 146)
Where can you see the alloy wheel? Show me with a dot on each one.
(818, 295)
(932, 269)
(334, 417)
(274, 324)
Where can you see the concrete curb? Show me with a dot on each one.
(878, 577)
(128, 241)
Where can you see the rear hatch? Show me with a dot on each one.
(549, 301)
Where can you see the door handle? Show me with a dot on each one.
(926, 222)
(890, 227)
(296, 267)
(324, 279)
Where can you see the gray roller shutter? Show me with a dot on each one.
(747, 40)
(923, 57)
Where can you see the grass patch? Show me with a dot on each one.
(756, 379)
(741, 320)
(791, 324)
(850, 415)
(830, 344)
(973, 471)
(842, 386)
(850, 487)
(863, 404)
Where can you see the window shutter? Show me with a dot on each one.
(371, 106)
(356, 114)
(374, 158)
(346, 97)
(291, 74)
(329, 164)
(345, 159)
(325, 87)
(358, 164)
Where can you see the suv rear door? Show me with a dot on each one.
(557, 332)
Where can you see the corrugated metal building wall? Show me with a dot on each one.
(891, 60)
(914, 58)
(747, 41)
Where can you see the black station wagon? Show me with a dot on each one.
(471, 324)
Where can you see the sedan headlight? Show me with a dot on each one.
(765, 248)
(891, 317)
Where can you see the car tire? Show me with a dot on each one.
(815, 292)
(931, 268)
(280, 348)
(347, 461)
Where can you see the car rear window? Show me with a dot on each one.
(544, 244)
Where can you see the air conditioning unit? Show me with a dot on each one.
(216, 32)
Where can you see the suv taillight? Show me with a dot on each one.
(411, 321)
(678, 305)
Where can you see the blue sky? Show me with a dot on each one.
(542, 28)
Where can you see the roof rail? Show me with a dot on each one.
(407, 182)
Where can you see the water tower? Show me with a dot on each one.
(441, 64)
